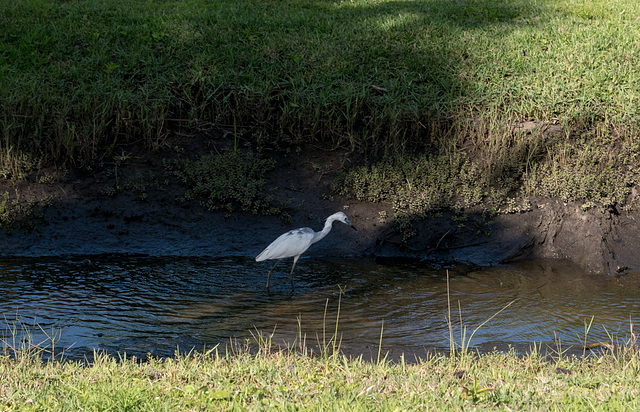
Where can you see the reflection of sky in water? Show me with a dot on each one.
(153, 305)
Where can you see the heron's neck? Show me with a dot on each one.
(321, 234)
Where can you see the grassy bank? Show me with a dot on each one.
(81, 77)
(450, 80)
(285, 380)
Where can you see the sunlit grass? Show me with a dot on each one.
(276, 378)
(80, 77)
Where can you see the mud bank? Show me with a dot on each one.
(83, 220)
(599, 240)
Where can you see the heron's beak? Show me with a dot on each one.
(354, 228)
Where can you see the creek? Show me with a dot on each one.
(150, 305)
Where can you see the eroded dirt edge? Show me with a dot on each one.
(85, 217)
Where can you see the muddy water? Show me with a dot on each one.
(141, 305)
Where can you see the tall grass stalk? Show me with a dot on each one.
(332, 348)
(18, 341)
(587, 328)
(302, 339)
(465, 343)
(632, 346)
(336, 344)
(452, 346)
(468, 342)
(380, 342)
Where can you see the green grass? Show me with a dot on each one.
(403, 82)
(78, 78)
(286, 380)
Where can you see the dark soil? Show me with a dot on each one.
(140, 213)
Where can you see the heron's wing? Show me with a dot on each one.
(293, 243)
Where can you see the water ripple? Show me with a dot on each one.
(152, 305)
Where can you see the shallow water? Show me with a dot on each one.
(142, 305)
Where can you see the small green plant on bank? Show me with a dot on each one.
(21, 214)
(231, 181)
(118, 160)
(596, 172)
(14, 165)
(419, 185)
(474, 392)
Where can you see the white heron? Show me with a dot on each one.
(295, 242)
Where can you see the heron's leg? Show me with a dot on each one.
(269, 275)
(295, 259)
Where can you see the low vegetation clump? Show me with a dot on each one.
(593, 171)
(233, 181)
(422, 185)
(590, 171)
(20, 215)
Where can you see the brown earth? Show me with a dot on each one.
(89, 214)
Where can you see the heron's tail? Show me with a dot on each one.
(261, 256)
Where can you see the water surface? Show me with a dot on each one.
(142, 305)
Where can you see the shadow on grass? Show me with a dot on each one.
(374, 76)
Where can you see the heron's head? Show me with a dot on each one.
(341, 217)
